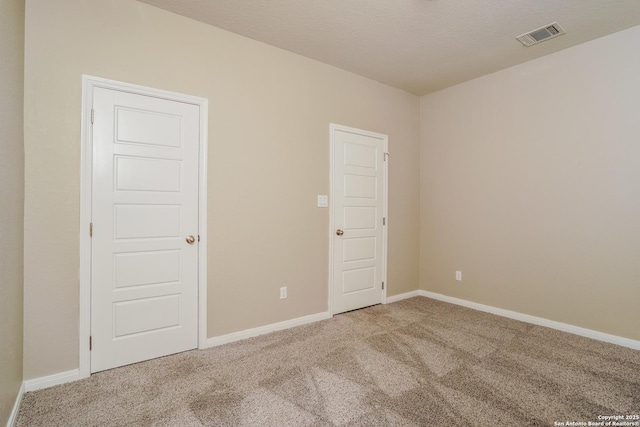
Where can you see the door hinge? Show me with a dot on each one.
(386, 155)
(92, 116)
(198, 237)
(382, 285)
(90, 343)
(90, 229)
(384, 221)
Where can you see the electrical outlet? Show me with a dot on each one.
(459, 276)
(283, 292)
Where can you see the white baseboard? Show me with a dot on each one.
(400, 297)
(51, 380)
(564, 327)
(261, 330)
(74, 375)
(13, 417)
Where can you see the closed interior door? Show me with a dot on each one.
(144, 249)
(359, 181)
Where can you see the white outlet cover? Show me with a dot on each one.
(323, 201)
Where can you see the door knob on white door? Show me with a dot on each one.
(339, 232)
(190, 239)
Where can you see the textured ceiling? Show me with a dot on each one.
(416, 45)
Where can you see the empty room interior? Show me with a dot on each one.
(439, 223)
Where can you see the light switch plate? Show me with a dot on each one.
(323, 201)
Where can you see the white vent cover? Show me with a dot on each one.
(541, 34)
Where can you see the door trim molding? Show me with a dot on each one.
(89, 83)
(333, 127)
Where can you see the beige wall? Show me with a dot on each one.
(11, 201)
(530, 185)
(268, 159)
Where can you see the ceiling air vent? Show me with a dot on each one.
(541, 34)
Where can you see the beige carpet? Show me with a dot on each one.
(417, 362)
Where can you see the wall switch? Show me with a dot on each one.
(283, 292)
(459, 276)
(323, 201)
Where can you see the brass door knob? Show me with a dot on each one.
(191, 240)
(339, 232)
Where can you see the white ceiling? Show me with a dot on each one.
(416, 45)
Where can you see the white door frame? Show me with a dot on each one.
(89, 83)
(385, 204)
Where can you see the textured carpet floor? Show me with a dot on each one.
(417, 362)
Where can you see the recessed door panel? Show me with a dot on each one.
(358, 280)
(148, 127)
(146, 221)
(147, 174)
(360, 186)
(146, 268)
(359, 218)
(146, 315)
(360, 155)
(359, 249)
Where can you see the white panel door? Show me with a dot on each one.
(144, 272)
(358, 241)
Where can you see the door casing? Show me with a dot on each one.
(86, 173)
(385, 205)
